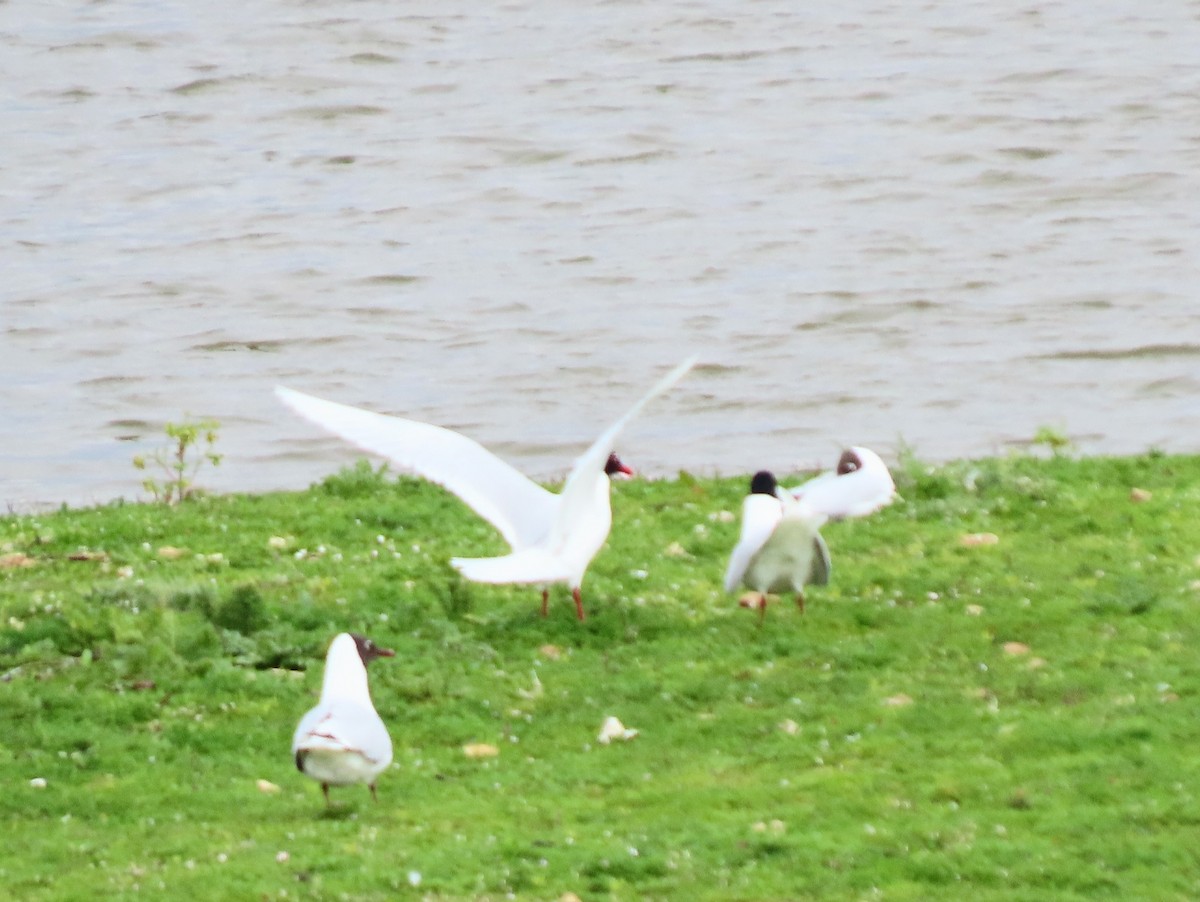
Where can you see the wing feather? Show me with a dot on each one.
(519, 508)
(760, 515)
(578, 490)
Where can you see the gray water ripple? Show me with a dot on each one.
(941, 227)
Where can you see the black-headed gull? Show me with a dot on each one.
(860, 485)
(553, 537)
(342, 740)
(780, 547)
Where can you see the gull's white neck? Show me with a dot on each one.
(345, 674)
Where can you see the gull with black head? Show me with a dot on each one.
(553, 536)
(342, 740)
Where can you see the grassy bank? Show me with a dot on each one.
(995, 698)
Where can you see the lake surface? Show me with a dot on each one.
(935, 225)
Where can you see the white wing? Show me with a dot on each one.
(344, 726)
(578, 490)
(760, 515)
(519, 508)
(856, 494)
(530, 565)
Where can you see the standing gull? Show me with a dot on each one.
(780, 547)
(342, 740)
(553, 537)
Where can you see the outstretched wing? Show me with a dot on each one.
(519, 508)
(760, 515)
(856, 494)
(580, 485)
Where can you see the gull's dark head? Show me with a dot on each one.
(764, 483)
(849, 462)
(614, 467)
(368, 650)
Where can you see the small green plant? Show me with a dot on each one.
(180, 461)
(1054, 439)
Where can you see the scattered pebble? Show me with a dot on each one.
(899, 700)
(1137, 496)
(974, 610)
(281, 857)
(775, 826)
(279, 543)
(790, 727)
(414, 878)
(1015, 648)
(38, 782)
(480, 750)
(266, 786)
(15, 560)
(550, 652)
(976, 539)
(611, 729)
(676, 550)
(171, 553)
(569, 897)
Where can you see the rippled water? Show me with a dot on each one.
(941, 224)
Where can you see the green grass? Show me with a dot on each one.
(892, 743)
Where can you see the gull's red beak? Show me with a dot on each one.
(614, 467)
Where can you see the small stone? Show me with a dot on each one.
(900, 700)
(1015, 648)
(1138, 496)
(676, 550)
(790, 727)
(279, 543)
(281, 857)
(15, 560)
(977, 539)
(973, 610)
(480, 750)
(171, 553)
(611, 729)
(550, 652)
(266, 786)
(38, 783)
